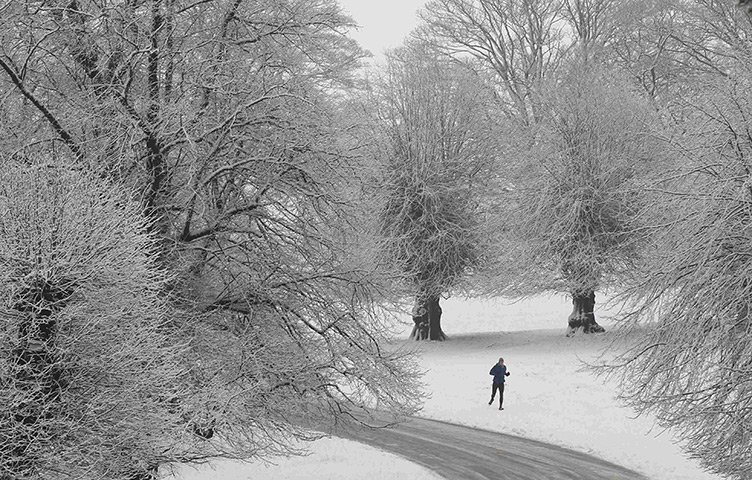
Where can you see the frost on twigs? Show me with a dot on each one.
(249, 184)
(87, 367)
(573, 224)
(434, 177)
(691, 364)
(100, 379)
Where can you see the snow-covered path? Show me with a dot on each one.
(463, 453)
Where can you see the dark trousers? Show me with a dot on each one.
(500, 388)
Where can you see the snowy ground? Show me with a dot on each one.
(330, 459)
(548, 397)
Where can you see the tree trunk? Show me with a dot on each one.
(37, 376)
(582, 316)
(427, 319)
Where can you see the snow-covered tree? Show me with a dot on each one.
(222, 117)
(438, 136)
(91, 377)
(573, 225)
(690, 364)
(518, 41)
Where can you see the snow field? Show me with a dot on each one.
(549, 397)
(330, 459)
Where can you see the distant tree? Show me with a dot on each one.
(438, 134)
(593, 23)
(715, 36)
(689, 358)
(90, 372)
(520, 42)
(670, 45)
(646, 41)
(573, 226)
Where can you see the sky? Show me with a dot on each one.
(383, 23)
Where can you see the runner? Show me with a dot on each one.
(499, 372)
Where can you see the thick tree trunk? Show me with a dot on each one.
(582, 316)
(37, 376)
(427, 319)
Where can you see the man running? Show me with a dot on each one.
(499, 371)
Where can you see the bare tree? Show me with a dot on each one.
(519, 41)
(90, 372)
(668, 45)
(573, 226)
(690, 361)
(438, 136)
(222, 115)
(593, 23)
(726, 29)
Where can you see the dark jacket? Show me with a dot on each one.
(499, 372)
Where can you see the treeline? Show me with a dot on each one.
(578, 146)
(207, 208)
(178, 262)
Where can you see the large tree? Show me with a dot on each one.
(437, 129)
(578, 146)
(687, 359)
(573, 225)
(689, 362)
(91, 374)
(222, 116)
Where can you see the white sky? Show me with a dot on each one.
(383, 23)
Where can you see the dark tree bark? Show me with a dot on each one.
(150, 473)
(36, 372)
(427, 319)
(155, 152)
(583, 316)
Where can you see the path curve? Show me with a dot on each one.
(457, 452)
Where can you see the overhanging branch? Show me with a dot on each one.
(64, 135)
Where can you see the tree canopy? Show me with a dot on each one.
(221, 118)
(204, 207)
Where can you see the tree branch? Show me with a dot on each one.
(64, 135)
